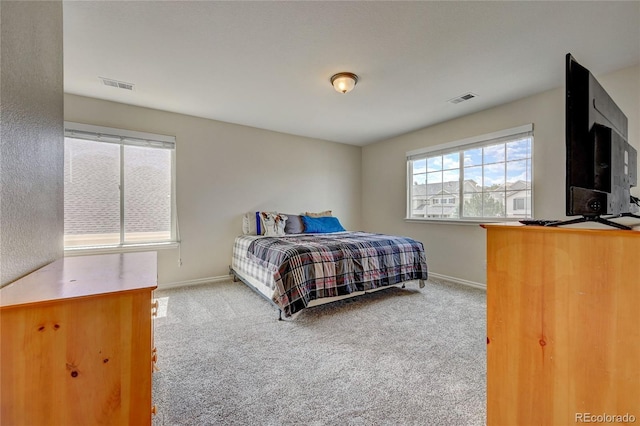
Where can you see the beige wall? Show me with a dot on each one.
(225, 170)
(459, 250)
(31, 149)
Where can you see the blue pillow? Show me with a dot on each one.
(321, 225)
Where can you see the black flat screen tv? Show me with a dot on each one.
(601, 164)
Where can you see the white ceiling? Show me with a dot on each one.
(267, 64)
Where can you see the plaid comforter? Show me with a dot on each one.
(308, 267)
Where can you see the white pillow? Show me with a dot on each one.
(273, 223)
(250, 223)
(257, 223)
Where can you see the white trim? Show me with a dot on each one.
(199, 281)
(84, 251)
(467, 283)
(474, 139)
(221, 278)
(121, 191)
(461, 221)
(212, 280)
(70, 126)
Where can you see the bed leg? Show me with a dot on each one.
(233, 274)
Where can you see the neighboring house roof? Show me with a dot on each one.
(519, 185)
(431, 189)
(451, 187)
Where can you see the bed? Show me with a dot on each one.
(298, 271)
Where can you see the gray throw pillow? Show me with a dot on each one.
(294, 224)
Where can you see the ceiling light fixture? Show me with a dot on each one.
(344, 82)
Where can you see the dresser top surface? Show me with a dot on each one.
(83, 276)
(588, 228)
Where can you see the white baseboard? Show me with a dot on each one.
(209, 280)
(458, 280)
(198, 281)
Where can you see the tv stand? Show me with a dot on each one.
(629, 215)
(598, 219)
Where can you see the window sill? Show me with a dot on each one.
(474, 222)
(83, 251)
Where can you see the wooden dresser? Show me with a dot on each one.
(563, 325)
(76, 342)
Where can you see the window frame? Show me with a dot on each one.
(124, 138)
(459, 146)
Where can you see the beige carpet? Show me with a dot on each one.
(395, 357)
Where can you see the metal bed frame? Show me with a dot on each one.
(237, 277)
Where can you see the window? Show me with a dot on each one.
(118, 187)
(482, 178)
(519, 203)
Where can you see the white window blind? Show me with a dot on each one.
(119, 187)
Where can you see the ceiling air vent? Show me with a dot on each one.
(462, 98)
(115, 83)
